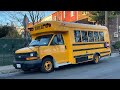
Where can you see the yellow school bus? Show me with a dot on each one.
(56, 43)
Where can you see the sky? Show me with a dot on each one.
(4, 18)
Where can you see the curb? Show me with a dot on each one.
(115, 54)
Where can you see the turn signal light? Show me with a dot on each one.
(31, 58)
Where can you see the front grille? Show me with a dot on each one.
(21, 57)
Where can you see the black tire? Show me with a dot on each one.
(95, 59)
(47, 65)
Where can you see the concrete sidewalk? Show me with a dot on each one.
(11, 69)
(8, 69)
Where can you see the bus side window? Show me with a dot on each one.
(57, 40)
(84, 36)
(77, 36)
(101, 34)
(96, 36)
(90, 36)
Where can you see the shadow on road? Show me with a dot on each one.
(66, 67)
(71, 66)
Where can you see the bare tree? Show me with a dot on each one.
(36, 16)
(17, 16)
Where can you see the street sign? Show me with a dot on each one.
(115, 34)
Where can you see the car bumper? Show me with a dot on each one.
(27, 64)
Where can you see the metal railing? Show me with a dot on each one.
(7, 50)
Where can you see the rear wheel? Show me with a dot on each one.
(96, 59)
(47, 65)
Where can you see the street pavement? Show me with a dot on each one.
(108, 67)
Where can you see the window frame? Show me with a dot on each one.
(56, 36)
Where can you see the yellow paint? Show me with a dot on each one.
(27, 49)
(59, 53)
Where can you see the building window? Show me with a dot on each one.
(61, 17)
(72, 13)
(84, 36)
(84, 12)
(77, 36)
(64, 14)
(54, 18)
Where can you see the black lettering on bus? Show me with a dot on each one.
(43, 26)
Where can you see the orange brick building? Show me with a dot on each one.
(70, 16)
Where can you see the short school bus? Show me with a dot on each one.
(56, 43)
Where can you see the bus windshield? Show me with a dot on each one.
(41, 40)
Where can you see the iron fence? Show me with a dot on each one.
(7, 50)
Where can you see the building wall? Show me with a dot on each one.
(112, 27)
(48, 18)
(20, 30)
(59, 16)
(83, 15)
(77, 15)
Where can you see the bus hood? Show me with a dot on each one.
(27, 50)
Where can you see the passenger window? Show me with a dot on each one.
(96, 36)
(90, 36)
(77, 36)
(101, 34)
(57, 40)
(84, 36)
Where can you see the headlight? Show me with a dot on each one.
(31, 54)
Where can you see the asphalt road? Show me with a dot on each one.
(107, 68)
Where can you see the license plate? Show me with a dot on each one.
(18, 65)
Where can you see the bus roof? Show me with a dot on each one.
(58, 26)
(72, 24)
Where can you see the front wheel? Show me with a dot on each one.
(47, 65)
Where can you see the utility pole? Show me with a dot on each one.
(25, 22)
(117, 28)
(106, 19)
